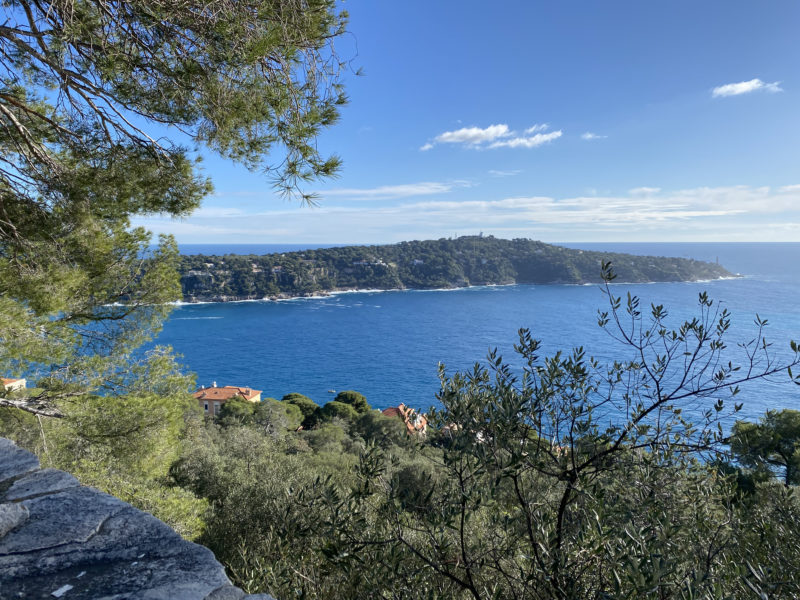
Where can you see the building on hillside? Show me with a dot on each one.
(11, 385)
(212, 398)
(415, 423)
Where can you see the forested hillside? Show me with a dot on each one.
(444, 263)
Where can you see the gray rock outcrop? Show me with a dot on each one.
(59, 539)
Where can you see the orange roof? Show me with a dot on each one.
(7, 381)
(226, 393)
(392, 412)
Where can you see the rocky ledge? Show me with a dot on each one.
(59, 539)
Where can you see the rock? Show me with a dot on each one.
(59, 539)
(230, 592)
(11, 516)
(226, 592)
(38, 483)
(15, 461)
(65, 518)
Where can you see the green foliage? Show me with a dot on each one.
(337, 410)
(271, 415)
(328, 437)
(121, 443)
(181, 64)
(375, 428)
(443, 263)
(267, 524)
(294, 416)
(773, 443)
(307, 407)
(354, 399)
(236, 411)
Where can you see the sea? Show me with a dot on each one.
(388, 344)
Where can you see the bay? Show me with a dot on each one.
(387, 344)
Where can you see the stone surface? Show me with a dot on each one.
(227, 592)
(11, 516)
(14, 461)
(38, 483)
(59, 539)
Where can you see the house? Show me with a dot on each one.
(14, 384)
(212, 398)
(415, 422)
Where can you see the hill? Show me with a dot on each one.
(444, 263)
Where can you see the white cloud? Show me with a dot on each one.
(200, 232)
(745, 87)
(473, 135)
(389, 192)
(742, 213)
(498, 173)
(216, 212)
(537, 128)
(644, 191)
(494, 136)
(527, 142)
(592, 136)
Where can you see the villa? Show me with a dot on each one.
(212, 398)
(14, 384)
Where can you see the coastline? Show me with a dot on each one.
(323, 294)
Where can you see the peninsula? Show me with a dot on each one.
(432, 264)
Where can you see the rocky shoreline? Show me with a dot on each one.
(320, 294)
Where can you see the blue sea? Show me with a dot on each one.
(387, 345)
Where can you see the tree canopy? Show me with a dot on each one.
(87, 79)
(773, 443)
(355, 399)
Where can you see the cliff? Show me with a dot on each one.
(445, 263)
(59, 539)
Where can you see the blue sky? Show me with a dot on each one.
(558, 121)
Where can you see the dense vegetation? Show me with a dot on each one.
(444, 263)
(569, 479)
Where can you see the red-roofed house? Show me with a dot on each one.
(212, 398)
(415, 422)
(14, 384)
